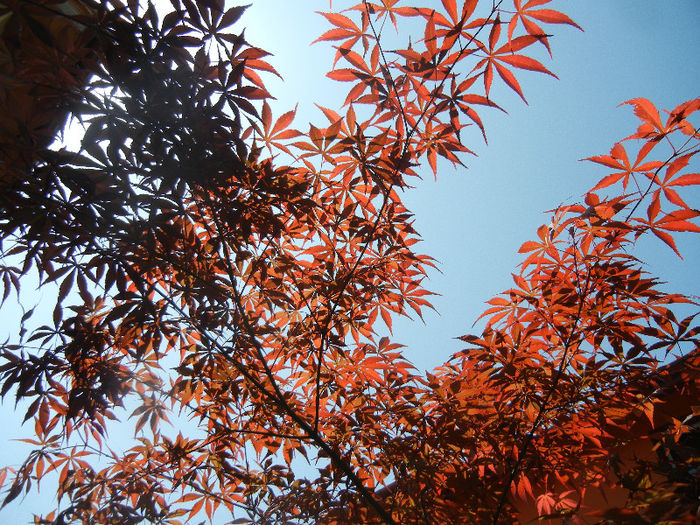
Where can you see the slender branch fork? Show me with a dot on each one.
(277, 396)
(565, 359)
(267, 383)
(543, 408)
(274, 392)
(385, 199)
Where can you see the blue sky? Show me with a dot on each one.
(474, 220)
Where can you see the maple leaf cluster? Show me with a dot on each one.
(217, 269)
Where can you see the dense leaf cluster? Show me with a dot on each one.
(216, 268)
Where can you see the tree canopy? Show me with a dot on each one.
(221, 281)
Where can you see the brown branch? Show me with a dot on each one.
(543, 409)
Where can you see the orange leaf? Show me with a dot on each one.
(549, 16)
(335, 34)
(668, 239)
(509, 79)
(196, 508)
(529, 246)
(355, 59)
(344, 75)
(495, 32)
(680, 226)
(451, 8)
(386, 315)
(523, 62)
(608, 181)
(284, 121)
(646, 111)
(430, 37)
(340, 20)
(689, 179)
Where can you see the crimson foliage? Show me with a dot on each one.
(200, 275)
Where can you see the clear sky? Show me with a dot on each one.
(473, 221)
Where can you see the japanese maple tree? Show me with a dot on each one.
(218, 269)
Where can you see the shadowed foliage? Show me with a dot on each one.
(215, 268)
